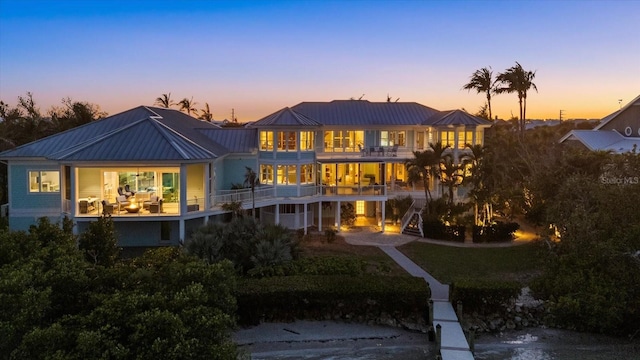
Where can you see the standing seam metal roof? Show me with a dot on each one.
(362, 112)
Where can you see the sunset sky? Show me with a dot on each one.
(258, 57)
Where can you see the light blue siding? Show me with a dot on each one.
(21, 198)
(234, 170)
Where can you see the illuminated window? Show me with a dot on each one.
(479, 137)
(306, 140)
(306, 174)
(266, 174)
(286, 141)
(464, 138)
(343, 141)
(292, 172)
(44, 181)
(390, 138)
(447, 138)
(266, 140)
(359, 207)
(286, 174)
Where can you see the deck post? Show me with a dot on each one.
(438, 338)
(430, 320)
(459, 309)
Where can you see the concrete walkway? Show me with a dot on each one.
(454, 344)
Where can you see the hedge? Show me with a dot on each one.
(287, 298)
(498, 232)
(484, 296)
(436, 229)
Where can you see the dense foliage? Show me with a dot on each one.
(483, 296)
(245, 242)
(56, 304)
(593, 271)
(286, 298)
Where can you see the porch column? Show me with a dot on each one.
(182, 199)
(277, 219)
(305, 218)
(383, 215)
(181, 230)
(73, 201)
(320, 216)
(338, 217)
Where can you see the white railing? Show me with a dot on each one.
(241, 195)
(354, 190)
(407, 216)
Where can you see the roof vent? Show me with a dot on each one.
(628, 131)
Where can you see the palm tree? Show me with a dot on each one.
(251, 179)
(451, 175)
(483, 82)
(518, 80)
(205, 114)
(165, 101)
(424, 166)
(188, 105)
(474, 163)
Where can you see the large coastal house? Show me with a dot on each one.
(160, 173)
(618, 132)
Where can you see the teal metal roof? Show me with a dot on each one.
(455, 117)
(285, 117)
(361, 113)
(139, 134)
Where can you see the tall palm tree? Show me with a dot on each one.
(165, 101)
(205, 114)
(451, 174)
(517, 80)
(424, 166)
(483, 82)
(187, 105)
(251, 179)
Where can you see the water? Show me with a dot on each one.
(552, 344)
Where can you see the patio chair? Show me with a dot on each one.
(394, 150)
(153, 199)
(122, 202)
(108, 208)
(371, 150)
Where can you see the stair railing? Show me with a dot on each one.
(407, 216)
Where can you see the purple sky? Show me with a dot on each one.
(258, 57)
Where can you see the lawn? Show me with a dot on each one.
(517, 263)
(316, 245)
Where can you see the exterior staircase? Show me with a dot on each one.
(411, 223)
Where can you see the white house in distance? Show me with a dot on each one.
(618, 132)
(161, 174)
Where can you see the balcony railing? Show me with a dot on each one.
(328, 190)
(241, 195)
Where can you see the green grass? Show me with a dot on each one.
(446, 263)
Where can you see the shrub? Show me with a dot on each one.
(498, 232)
(436, 229)
(330, 234)
(483, 296)
(321, 297)
(347, 214)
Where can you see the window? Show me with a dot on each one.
(266, 174)
(419, 140)
(287, 208)
(343, 141)
(390, 138)
(464, 138)
(287, 174)
(286, 141)
(447, 138)
(306, 140)
(306, 174)
(44, 181)
(266, 140)
(479, 137)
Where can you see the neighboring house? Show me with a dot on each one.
(618, 132)
(161, 173)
